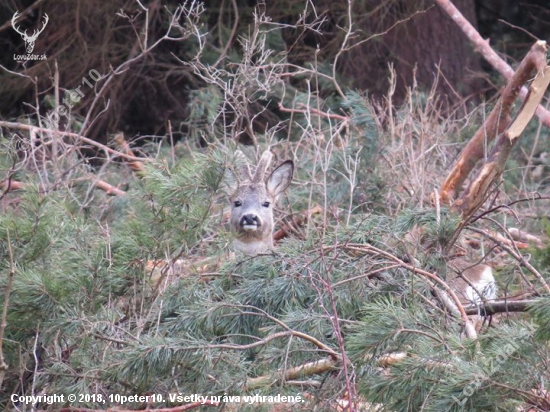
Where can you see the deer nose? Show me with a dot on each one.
(250, 221)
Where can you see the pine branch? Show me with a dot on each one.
(468, 326)
(500, 306)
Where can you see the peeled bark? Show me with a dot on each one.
(496, 123)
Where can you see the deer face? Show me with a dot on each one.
(252, 199)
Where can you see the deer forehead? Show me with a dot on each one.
(253, 192)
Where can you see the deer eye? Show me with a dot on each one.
(237, 203)
(266, 204)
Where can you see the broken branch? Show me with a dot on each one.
(496, 122)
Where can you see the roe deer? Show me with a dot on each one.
(473, 284)
(252, 199)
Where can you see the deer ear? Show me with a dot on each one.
(280, 178)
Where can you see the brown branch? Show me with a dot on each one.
(9, 185)
(84, 139)
(495, 123)
(108, 188)
(4, 322)
(492, 170)
(499, 306)
(124, 147)
(482, 47)
(307, 369)
(520, 236)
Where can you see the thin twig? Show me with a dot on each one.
(31, 128)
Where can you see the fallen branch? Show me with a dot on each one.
(521, 236)
(496, 122)
(10, 185)
(482, 46)
(499, 306)
(307, 369)
(108, 188)
(493, 168)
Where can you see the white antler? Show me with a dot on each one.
(37, 32)
(13, 19)
(262, 167)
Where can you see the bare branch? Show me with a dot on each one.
(482, 46)
(478, 189)
(496, 122)
(22, 126)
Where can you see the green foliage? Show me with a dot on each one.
(440, 371)
(541, 314)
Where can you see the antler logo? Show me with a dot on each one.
(29, 40)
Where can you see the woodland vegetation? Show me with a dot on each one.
(116, 270)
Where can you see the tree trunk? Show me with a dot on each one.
(417, 46)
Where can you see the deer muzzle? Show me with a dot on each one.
(250, 222)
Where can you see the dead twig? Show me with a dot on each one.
(310, 110)
(124, 147)
(79, 137)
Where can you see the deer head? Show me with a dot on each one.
(29, 40)
(252, 198)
